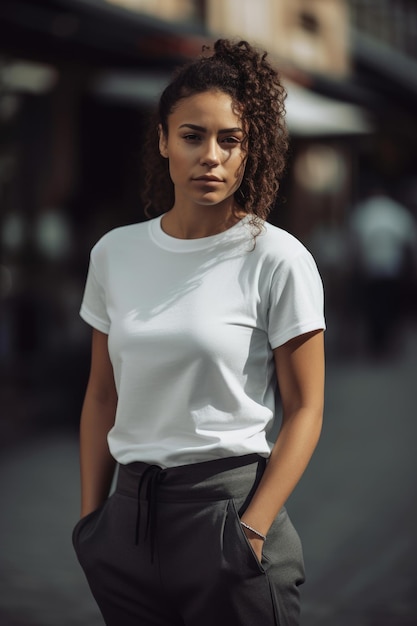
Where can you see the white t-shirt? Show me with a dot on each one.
(192, 324)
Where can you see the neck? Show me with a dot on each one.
(200, 223)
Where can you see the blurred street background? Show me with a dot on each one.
(78, 81)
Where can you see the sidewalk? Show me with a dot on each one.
(41, 583)
(355, 509)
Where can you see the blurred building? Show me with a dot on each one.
(78, 79)
(351, 70)
(310, 34)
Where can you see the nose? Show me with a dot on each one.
(210, 153)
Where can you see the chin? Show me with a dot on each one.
(213, 201)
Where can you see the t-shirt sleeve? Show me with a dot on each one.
(296, 300)
(93, 307)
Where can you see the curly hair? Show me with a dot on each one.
(242, 72)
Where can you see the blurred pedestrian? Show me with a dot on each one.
(198, 315)
(385, 253)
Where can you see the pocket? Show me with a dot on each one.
(82, 523)
(244, 554)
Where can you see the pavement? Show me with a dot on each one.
(355, 509)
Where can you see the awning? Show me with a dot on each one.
(311, 114)
(308, 113)
(94, 33)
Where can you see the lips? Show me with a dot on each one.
(209, 179)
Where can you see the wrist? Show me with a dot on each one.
(256, 521)
(89, 506)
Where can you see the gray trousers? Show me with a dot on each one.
(167, 549)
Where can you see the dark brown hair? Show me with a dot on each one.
(242, 72)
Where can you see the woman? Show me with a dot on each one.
(198, 316)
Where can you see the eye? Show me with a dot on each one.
(231, 140)
(191, 137)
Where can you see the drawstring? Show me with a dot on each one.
(149, 481)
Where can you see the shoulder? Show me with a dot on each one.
(120, 238)
(286, 260)
(279, 245)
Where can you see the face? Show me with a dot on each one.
(205, 151)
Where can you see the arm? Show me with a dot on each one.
(300, 370)
(97, 418)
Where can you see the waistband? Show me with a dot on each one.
(230, 477)
(220, 479)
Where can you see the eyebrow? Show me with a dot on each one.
(201, 129)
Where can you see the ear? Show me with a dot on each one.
(163, 143)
